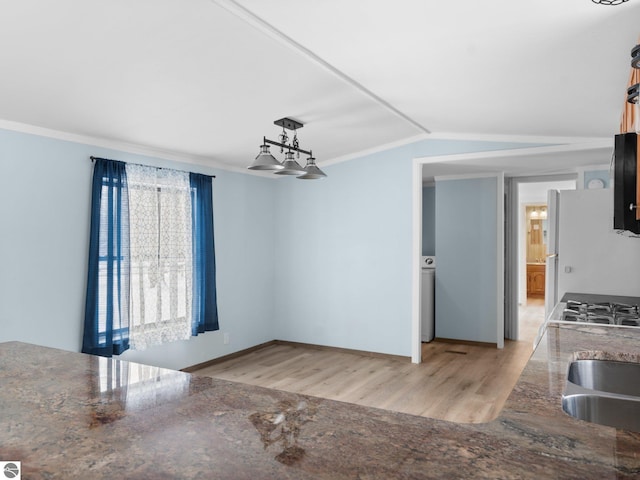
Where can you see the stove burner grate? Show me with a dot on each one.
(604, 313)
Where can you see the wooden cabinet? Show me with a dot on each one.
(535, 279)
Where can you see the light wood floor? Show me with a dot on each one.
(456, 382)
(531, 317)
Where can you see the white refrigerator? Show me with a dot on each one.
(592, 257)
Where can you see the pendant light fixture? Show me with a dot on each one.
(633, 91)
(609, 2)
(312, 171)
(265, 161)
(290, 166)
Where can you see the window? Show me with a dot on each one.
(151, 258)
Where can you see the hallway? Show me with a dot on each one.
(530, 318)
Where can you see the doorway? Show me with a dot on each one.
(520, 161)
(531, 238)
(536, 231)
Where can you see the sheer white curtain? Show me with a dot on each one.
(161, 255)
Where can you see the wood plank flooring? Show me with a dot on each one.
(455, 382)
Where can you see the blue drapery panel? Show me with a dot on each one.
(106, 323)
(205, 305)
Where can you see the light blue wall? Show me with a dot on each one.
(325, 262)
(343, 255)
(466, 236)
(45, 210)
(429, 221)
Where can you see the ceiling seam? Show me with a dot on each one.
(254, 20)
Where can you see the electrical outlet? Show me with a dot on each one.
(226, 338)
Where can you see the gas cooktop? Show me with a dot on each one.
(601, 309)
(603, 313)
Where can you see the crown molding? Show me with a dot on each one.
(547, 149)
(549, 145)
(373, 150)
(554, 144)
(121, 146)
(466, 176)
(547, 139)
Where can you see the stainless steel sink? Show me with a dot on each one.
(606, 376)
(606, 410)
(604, 392)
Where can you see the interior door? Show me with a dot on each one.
(551, 268)
(511, 260)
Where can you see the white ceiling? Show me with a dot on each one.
(205, 79)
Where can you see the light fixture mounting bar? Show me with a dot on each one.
(289, 124)
(283, 145)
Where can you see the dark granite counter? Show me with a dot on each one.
(70, 415)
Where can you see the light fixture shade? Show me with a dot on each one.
(635, 56)
(291, 167)
(265, 161)
(313, 172)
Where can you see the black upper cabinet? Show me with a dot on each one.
(624, 195)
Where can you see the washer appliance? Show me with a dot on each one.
(427, 309)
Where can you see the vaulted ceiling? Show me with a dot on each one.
(205, 79)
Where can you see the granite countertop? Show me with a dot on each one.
(70, 415)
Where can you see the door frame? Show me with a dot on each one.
(416, 221)
(512, 263)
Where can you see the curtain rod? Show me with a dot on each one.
(93, 159)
